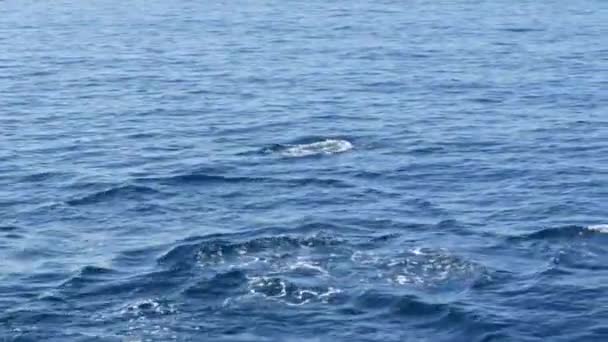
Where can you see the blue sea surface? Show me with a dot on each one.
(270, 170)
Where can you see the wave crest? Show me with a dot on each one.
(564, 232)
(598, 228)
(124, 192)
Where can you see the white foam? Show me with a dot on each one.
(142, 307)
(304, 265)
(417, 251)
(257, 285)
(328, 146)
(365, 258)
(402, 280)
(287, 294)
(600, 228)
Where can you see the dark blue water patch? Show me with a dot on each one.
(428, 150)
(487, 100)
(8, 229)
(197, 178)
(407, 305)
(93, 288)
(522, 29)
(200, 178)
(221, 284)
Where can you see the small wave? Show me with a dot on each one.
(218, 251)
(91, 271)
(221, 284)
(323, 147)
(428, 311)
(521, 29)
(563, 249)
(86, 278)
(125, 191)
(563, 232)
(197, 178)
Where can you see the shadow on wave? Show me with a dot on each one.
(216, 179)
(422, 312)
(122, 192)
(566, 232)
(136, 192)
(561, 250)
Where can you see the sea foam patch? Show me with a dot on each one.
(324, 147)
(600, 228)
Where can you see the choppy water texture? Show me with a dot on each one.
(303, 170)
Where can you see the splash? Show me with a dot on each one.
(324, 147)
(599, 228)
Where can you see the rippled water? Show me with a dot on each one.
(303, 170)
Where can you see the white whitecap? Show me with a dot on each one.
(600, 228)
(308, 266)
(328, 146)
(417, 251)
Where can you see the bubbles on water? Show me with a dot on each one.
(148, 307)
(147, 320)
(316, 269)
(270, 287)
(308, 268)
(420, 267)
(290, 293)
(283, 269)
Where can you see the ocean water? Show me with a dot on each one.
(304, 170)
